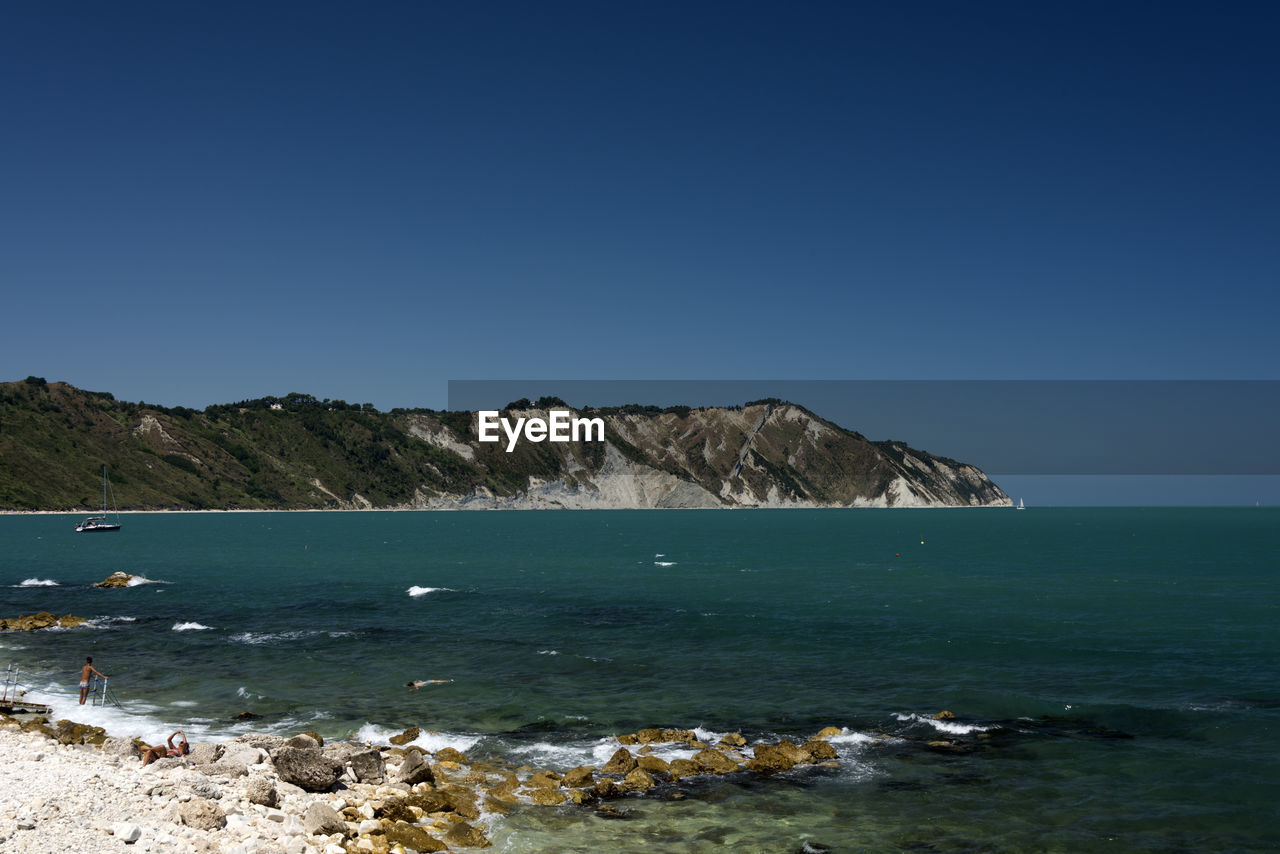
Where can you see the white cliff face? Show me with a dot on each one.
(438, 435)
(619, 485)
(765, 456)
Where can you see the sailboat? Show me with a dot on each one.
(1020, 506)
(94, 524)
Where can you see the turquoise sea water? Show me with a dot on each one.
(1114, 672)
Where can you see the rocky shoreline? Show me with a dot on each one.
(68, 786)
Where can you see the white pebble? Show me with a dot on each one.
(126, 832)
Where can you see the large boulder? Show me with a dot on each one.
(461, 800)
(368, 766)
(320, 819)
(392, 810)
(547, 797)
(343, 750)
(269, 743)
(414, 769)
(680, 768)
(259, 790)
(429, 800)
(307, 768)
(655, 765)
(770, 759)
(820, 750)
(412, 837)
(622, 762)
(206, 753)
(242, 754)
(714, 761)
(306, 741)
(225, 769)
(579, 778)
(794, 752)
(202, 814)
(638, 780)
(543, 780)
(465, 835)
(449, 754)
(126, 748)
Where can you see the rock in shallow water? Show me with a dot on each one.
(622, 762)
(414, 769)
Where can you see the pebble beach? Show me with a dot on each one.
(69, 787)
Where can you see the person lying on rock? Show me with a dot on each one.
(160, 752)
(416, 685)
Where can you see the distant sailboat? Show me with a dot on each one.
(95, 524)
(1020, 506)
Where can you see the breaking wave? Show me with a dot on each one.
(416, 591)
(947, 726)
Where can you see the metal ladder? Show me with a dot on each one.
(100, 693)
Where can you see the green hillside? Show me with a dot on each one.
(298, 452)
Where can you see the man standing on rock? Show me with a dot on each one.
(85, 673)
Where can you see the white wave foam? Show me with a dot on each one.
(664, 563)
(949, 727)
(849, 742)
(548, 652)
(260, 638)
(153, 724)
(416, 591)
(139, 580)
(663, 554)
(108, 622)
(191, 627)
(562, 756)
(429, 741)
(38, 582)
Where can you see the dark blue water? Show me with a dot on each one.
(1114, 672)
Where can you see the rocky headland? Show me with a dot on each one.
(297, 452)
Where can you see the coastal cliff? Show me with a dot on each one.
(298, 452)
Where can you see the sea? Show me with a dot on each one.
(1112, 674)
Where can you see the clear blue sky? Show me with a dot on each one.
(201, 203)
